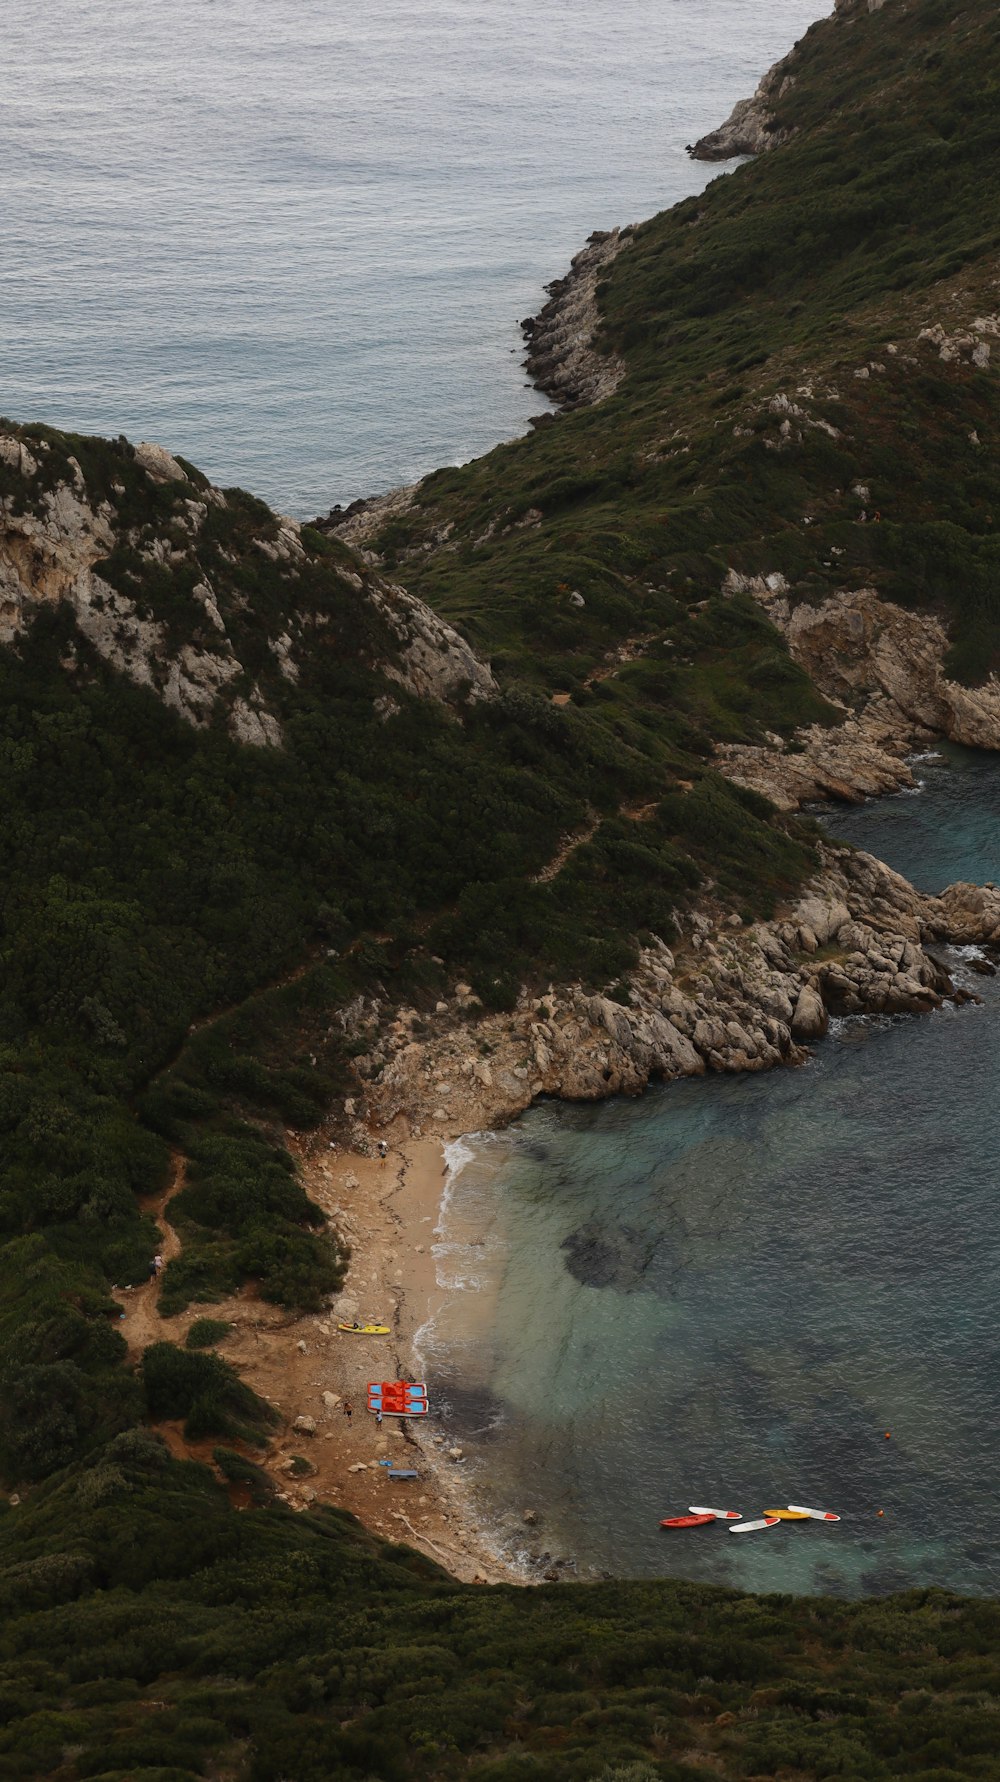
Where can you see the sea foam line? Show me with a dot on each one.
(458, 1154)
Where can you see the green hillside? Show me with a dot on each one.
(183, 912)
(778, 285)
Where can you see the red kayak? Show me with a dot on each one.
(686, 1521)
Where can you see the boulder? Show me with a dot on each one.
(159, 466)
(809, 1019)
(823, 918)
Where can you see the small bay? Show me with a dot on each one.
(728, 1291)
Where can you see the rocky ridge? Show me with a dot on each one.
(56, 533)
(882, 668)
(726, 997)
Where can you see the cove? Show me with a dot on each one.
(727, 1291)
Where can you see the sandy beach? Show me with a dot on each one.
(311, 1372)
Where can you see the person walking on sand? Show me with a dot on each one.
(348, 1409)
(378, 1418)
(383, 1151)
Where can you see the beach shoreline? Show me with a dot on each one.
(389, 1212)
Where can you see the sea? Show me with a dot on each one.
(293, 239)
(749, 1292)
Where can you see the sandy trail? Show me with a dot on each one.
(141, 1323)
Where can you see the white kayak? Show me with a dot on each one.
(816, 1515)
(746, 1527)
(723, 1515)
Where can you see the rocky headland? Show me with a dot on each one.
(754, 125)
(724, 997)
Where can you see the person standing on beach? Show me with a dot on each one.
(383, 1151)
(348, 1409)
(378, 1418)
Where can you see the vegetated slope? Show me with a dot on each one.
(245, 781)
(154, 1634)
(784, 411)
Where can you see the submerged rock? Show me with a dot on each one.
(599, 1256)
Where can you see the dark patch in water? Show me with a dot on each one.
(469, 1411)
(536, 1150)
(603, 1256)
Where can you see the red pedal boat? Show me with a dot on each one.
(687, 1521)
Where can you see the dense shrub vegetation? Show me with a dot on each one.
(182, 917)
(182, 1639)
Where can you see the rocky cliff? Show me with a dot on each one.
(883, 668)
(562, 358)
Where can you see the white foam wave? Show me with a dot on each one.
(924, 755)
(457, 1266)
(457, 1154)
(843, 1026)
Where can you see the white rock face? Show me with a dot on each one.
(158, 464)
(46, 557)
(51, 556)
(17, 455)
(437, 663)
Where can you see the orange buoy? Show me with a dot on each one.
(888, 1435)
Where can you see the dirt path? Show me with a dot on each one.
(141, 1323)
(567, 846)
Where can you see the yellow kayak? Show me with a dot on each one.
(788, 1515)
(365, 1329)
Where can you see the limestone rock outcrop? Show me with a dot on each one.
(561, 359)
(882, 669)
(57, 534)
(753, 125)
(436, 663)
(858, 940)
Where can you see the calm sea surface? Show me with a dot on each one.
(726, 1292)
(293, 240)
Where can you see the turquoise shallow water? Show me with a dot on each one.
(293, 242)
(727, 1291)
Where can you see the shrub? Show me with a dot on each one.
(204, 1333)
